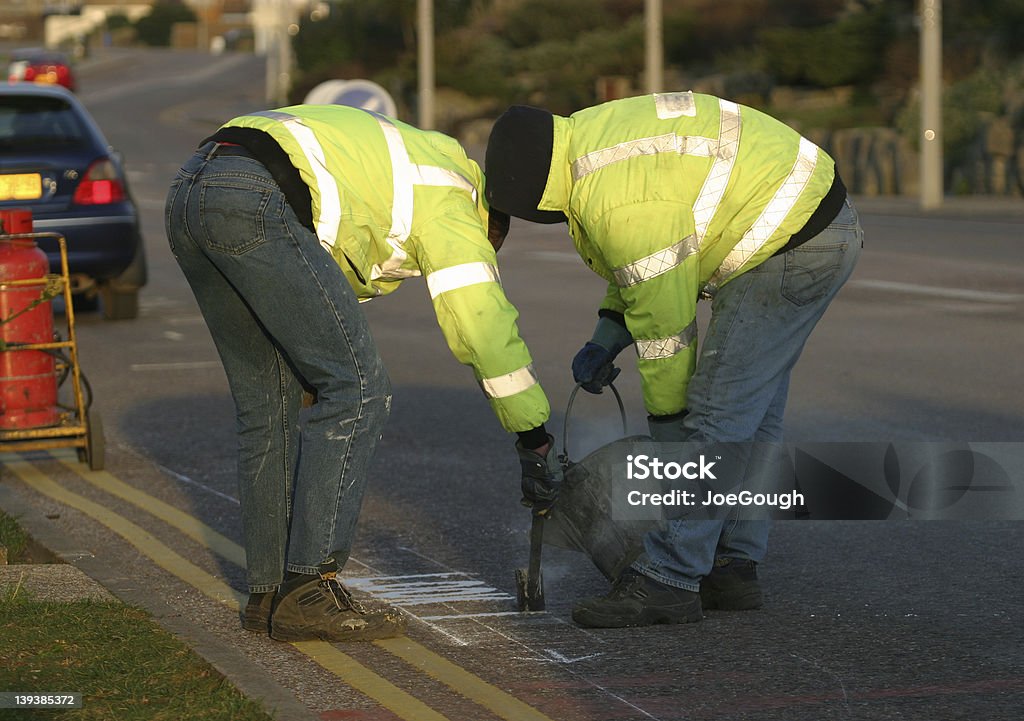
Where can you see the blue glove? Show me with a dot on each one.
(593, 367)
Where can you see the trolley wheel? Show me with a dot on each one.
(95, 445)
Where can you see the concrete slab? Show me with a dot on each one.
(59, 582)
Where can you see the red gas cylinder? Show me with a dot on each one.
(28, 378)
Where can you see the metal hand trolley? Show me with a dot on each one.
(58, 425)
(573, 503)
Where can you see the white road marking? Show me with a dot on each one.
(560, 658)
(197, 484)
(486, 614)
(150, 302)
(429, 588)
(185, 320)
(932, 291)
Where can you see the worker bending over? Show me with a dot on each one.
(283, 222)
(672, 197)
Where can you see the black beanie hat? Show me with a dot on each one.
(517, 163)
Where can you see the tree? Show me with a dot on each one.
(849, 51)
(155, 28)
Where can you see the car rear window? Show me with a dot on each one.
(35, 123)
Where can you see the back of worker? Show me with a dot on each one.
(696, 164)
(283, 222)
(375, 184)
(389, 202)
(672, 197)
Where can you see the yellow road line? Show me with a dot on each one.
(454, 676)
(358, 676)
(187, 524)
(342, 665)
(137, 536)
(460, 680)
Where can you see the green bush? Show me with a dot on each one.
(994, 25)
(475, 64)
(580, 63)
(368, 35)
(847, 52)
(155, 28)
(533, 22)
(966, 105)
(117, 21)
(683, 43)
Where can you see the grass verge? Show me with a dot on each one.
(125, 665)
(12, 537)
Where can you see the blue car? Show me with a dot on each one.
(55, 161)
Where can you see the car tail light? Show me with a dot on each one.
(101, 185)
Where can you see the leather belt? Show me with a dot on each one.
(226, 149)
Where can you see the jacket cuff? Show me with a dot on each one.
(611, 333)
(534, 438)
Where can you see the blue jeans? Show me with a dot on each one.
(283, 318)
(760, 322)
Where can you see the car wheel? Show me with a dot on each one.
(137, 272)
(118, 303)
(88, 302)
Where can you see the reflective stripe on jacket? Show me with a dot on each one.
(390, 202)
(672, 194)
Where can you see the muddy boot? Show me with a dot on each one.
(731, 586)
(637, 600)
(317, 607)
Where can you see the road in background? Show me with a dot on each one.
(862, 621)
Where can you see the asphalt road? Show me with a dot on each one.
(863, 620)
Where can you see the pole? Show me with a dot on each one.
(203, 27)
(272, 19)
(654, 46)
(425, 41)
(931, 104)
(266, 13)
(284, 52)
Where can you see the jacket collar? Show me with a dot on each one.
(559, 185)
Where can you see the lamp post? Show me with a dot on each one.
(653, 46)
(931, 104)
(273, 21)
(425, 42)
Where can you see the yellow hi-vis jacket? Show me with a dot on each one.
(673, 194)
(391, 202)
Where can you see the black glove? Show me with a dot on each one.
(542, 478)
(593, 367)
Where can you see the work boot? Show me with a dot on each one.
(256, 616)
(731, 586)
(311, 607)
(636, 600)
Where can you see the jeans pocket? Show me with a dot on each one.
(811, 272)
(233, 215)
(172, 197)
